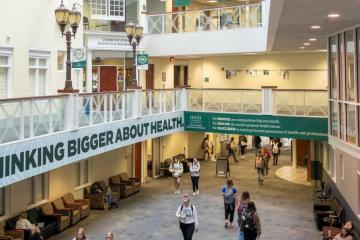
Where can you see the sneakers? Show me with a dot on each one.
(177, 192)
(226, 224)
(194, 194)
(197, 193)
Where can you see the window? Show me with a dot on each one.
(341, 65)
(334, 67)
(61, 60)
(108, 9)
(82, 173)
(40, 188)
(39, 72)
(341, 167)
(350, 66)
(351, 123)
(334, 118)
(5, 71)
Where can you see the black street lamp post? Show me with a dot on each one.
(134, 34)
(66, 18)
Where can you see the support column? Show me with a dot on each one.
(293, 153)
(89, 71)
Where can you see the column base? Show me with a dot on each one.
(133, 87)
(68, 90)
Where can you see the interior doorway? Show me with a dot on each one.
(156, 156)
(150, 77)
(108, 78)
(303, 155)
(180, 75)
(138, 158)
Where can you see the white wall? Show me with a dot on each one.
(306, 71)
(32, 25)
(211, 42)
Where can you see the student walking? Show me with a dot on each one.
(250, 222)
(266, 156)
(195, 176)
(228, 191)
(205, 145)
(188, 219)
(257, 142)
(241, 205)
(275, 149)
(232, 149)
(242, 145)
(177, 169)
(259, 166)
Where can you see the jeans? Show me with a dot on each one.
(187, 230)
(242, 150)
(250, 234)
(232, 153)
(206, 152)
(275, 160)
(195, 183)
(241, 235)
(229, 211)
(260, 174)
(266, 167)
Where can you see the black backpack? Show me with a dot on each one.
(248, 220)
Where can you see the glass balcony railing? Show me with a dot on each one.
(24, 118)
(244, 16)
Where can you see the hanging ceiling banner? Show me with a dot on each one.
(182, 3)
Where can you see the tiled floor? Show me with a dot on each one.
(295, 175)
(285, 209)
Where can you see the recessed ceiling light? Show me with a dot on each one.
(212, 1)
(307, 44)
(315, 27)
(333, 15)
(302, 47)
(312, 39)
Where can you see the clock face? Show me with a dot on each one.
(78, 54)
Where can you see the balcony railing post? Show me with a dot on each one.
(266, 96)
(70, 112)
(135, 103)
(184, 99)
(150, 102)
(22, 120)
(218, 20)
(51, 117)
(111, 102)
(123, 105)
(163, 23)
(31, 130)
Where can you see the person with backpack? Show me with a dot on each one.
(188, 219)
(242, 145)
(257, 142)
(195, 176)
(232, 149)
(266, 156)
(259, 166)
(241, 205)
(205, 145)
(275, 149)
(176, 168)
(228, 191)
(250, 222)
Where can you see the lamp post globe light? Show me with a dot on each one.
(134, 34)
(68, 21)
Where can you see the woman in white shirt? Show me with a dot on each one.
(24, 224)
(176, 168)
(195, 176)
(188, 220)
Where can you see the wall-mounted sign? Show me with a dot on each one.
(31, 157)
(118, 42)
(142, 61)
(78, 58)
(310, 128)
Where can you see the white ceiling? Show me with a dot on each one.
(293, 28)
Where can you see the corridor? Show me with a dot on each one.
(285, 208)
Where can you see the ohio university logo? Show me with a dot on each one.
(195, 118)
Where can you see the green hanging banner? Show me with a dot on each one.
(182, 3)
